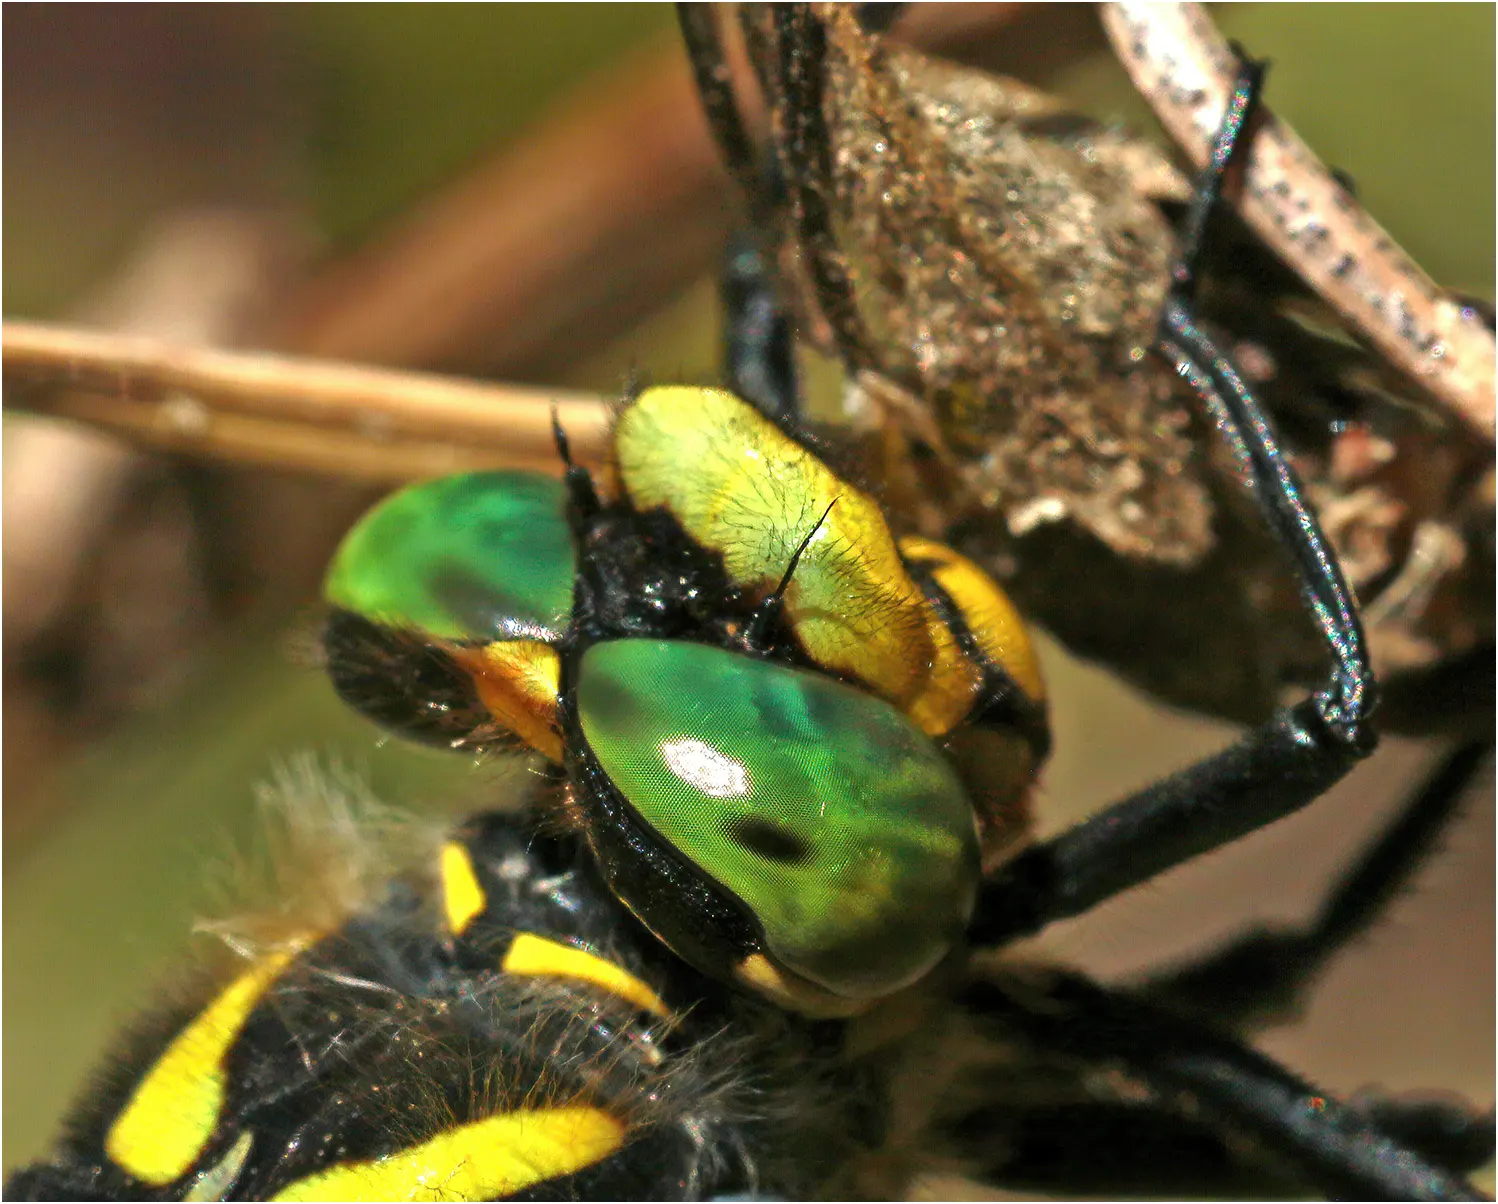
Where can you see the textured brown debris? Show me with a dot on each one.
(990, 268)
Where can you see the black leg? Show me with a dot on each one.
(758, 348)
(1207, 191)
(699, 30)
(806, 147)
(793, 76)
(1261, 976)
(1064, 1140)
(1327, 1145)
(1449, 1133)
(759, 355)
(1281, 766)
(1109, 1149)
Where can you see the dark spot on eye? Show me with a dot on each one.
(474, 602)
(770, 841)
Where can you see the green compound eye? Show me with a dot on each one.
(482, 556)
(835, 821)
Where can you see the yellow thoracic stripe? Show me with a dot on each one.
(175, 1108)
(484, 1160)
(462, 896)
(989, 614)
(532, 955)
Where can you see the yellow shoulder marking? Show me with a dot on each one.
(990, 615)
(484, 1160)
(950, 684)
(175, 1108)
(530, 955)
(462, 896)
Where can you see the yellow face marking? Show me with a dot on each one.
(987, 610)
(518, 681)
(484, 1160)
(531, 955)
(741, 487)
(175, 1108)
(462, 896)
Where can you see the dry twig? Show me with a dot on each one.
(1185, 68)
(359, 423)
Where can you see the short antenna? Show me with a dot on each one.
(580, 490)
(770, 608)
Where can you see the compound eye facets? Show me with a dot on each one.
(449, 598)
(822, 810)
(478, 557)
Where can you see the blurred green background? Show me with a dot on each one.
(345, 115)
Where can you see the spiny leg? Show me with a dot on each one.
(1109, 1149)
(758, 345)
(806, 146)
(700, 33)
(1449, 1132)
(1144, 1148)
(1279, 767)
(793, 76)
(1261, 976)
(1206, 190)
(1336, 1148)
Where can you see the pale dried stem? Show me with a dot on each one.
(197, 277)
(359, 423)
(1186, 70)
